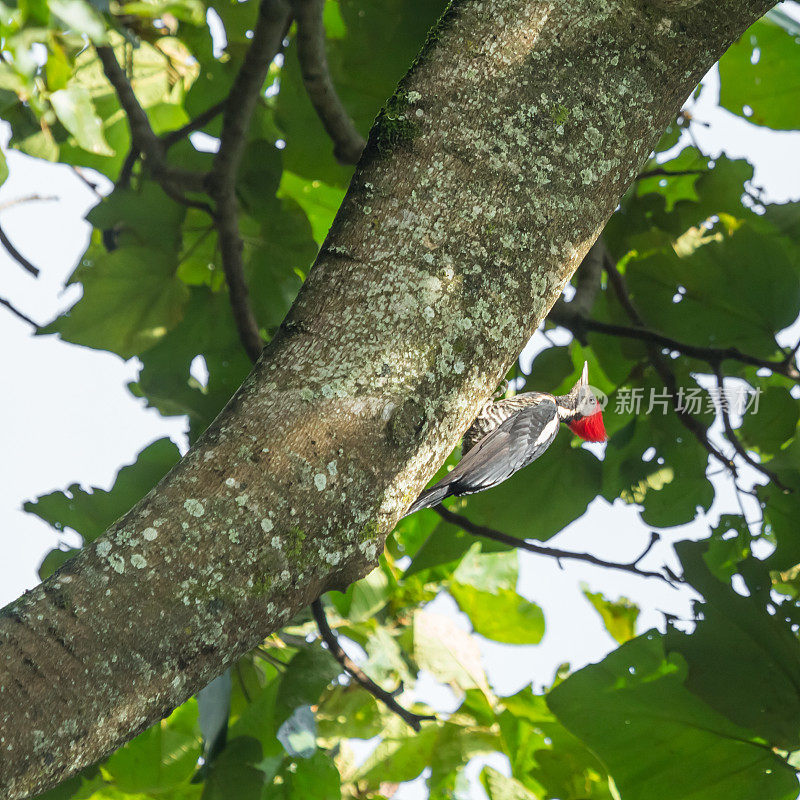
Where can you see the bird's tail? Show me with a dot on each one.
(430, 497)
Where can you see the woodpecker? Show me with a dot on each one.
(509, 434)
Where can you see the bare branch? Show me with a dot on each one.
(273, 20)
(348, 143)
(143, 137)
(17, 256)
(564, 315)
(553, 552)
(199, 122)
(358, 674)
(731, 436)
(17, 313)
(28, 198)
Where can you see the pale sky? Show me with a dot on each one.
(69, 418)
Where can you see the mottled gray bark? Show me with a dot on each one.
(486, 179)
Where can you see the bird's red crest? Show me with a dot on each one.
(590, 428)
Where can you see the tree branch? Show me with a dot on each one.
(361, 677)
(17, 313)
(553, 552)
(348, 144)
(564, 315)
(273, 20)
(16, 255)
(143, 137)
(731, 436)
(200, 121)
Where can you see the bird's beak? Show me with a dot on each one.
(584, 381)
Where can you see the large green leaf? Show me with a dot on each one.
(714, 296)
(131, 299)
(742, 660)
(503, 615)
(657, 739)
(760, 76)
(90, 513)
(73, 107)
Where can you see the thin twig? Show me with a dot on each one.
(28, 198)
(17, 256)
(348, 143)
(562, 314)
(143, 137)
(273, 20)
(17, 313)
(387, 698)
(731, 436)
(78, 172)
(200, 121)
(553, 552)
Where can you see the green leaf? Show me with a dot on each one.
(319, 201)
(79, 16)
(774, 422)
(619, 616)
(364, 598)
(348, 712)
(235, 774)
(3, 168)
(489, 572)
(308, 674)
(500, 787)
(90, 513)
(54, 559)
(712, 296)
(162, 758)
(761, 72)
(660, 741)
(503, 615)
(742, 660)
(131, 299)
(315, 778)
(400, 756)
(74, 109)
(447, 652)
(298, 733)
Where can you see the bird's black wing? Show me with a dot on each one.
(521, 439)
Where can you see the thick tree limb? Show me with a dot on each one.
(348, 144)
(273, 20)
(459, 230)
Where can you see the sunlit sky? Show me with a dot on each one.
(68, 418)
